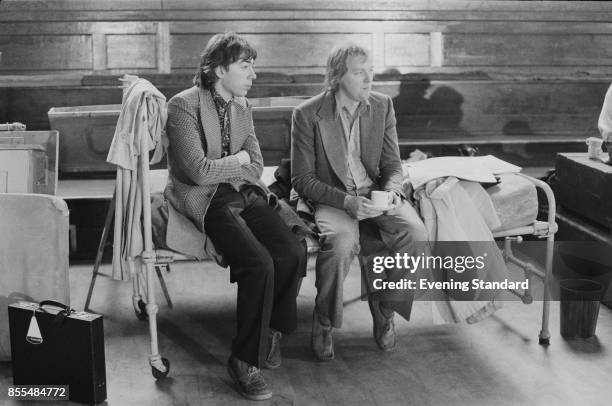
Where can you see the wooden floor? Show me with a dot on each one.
(495, 362)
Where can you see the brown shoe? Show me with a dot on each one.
(321, 340)
(383, 325)
(248, 379)
(273, 359)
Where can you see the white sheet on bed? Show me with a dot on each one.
(515, 200)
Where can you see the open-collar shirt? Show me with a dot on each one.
(357, 179)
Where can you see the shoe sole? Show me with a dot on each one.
(264, 396)
(312, 346)
(380, 345)
(385, 349)
(320, 357)
(375, 308)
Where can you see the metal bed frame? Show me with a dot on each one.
(541, 229)
(153, 260)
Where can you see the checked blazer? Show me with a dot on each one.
(195, 165)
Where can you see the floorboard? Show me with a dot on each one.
(497, 361)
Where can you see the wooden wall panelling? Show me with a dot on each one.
(407, 50)
(420, 5)
(424, 108)
(427, 108)
(301, 50)
(99, 49)
(407, 46)
(43, 6)
(322, 15)
(185, 50)
(132, 47)
(547, 25)
(287, 89)
(163, 47)
(30, 105)
(83, 47)
(263, 5)
(283, 46)
(304, 25)
(131, 51)
(531, 49)
(44, 52)
(83, 10)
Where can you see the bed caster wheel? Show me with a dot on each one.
(141, 312)
(157, 374)
(544, 341)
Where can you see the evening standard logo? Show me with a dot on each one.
(475, 284)
(411, 263)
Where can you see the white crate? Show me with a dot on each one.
(23, 168)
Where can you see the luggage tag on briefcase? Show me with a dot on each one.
(33, 336)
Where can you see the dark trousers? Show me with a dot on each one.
(265, 259)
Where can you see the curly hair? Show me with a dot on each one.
(221, 50)
(336, 63)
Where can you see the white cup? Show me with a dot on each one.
(594, 144)
(381, 198)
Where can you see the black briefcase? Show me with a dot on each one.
(58, 347)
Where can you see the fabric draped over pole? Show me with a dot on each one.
(140, 129)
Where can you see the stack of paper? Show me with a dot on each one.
(478, 169)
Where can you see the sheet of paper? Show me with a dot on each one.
(477, 169)
(496, 165)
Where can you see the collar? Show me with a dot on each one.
(219, 100)
(362, 107)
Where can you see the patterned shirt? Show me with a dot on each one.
(223, 109)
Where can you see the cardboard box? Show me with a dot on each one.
(28, 162)
(22, 169)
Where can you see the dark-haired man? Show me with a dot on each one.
(344, 147)
(214, 163)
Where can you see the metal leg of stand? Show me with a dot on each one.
(109, 217)
(162, 282)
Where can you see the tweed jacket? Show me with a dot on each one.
(319, 149)
(195, 165)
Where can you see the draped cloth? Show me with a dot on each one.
(143, 117)
(33, 254)
(462, 211)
